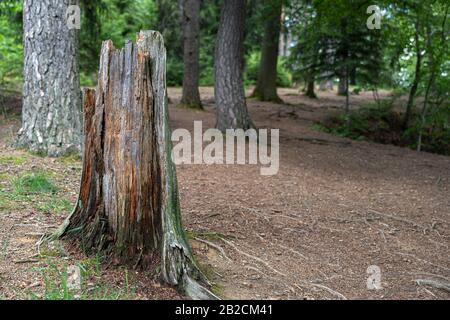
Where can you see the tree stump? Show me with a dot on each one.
(128, 206)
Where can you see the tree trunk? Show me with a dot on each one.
(415, 84)
(191, 33)
(231, 107)
(342, 86)
(310, 89)
(266, 87)
(433, 67)
(128, 205)
(51, 120)
(352, 77)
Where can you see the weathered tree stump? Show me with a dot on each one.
(128, 206)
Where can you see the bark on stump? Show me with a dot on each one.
(128, 204)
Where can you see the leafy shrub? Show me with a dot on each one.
(381, 123)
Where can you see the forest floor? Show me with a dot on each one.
(336, 208)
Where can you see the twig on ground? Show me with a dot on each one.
(415, 224)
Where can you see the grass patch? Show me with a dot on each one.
(55, 206)
(15, 160)
(33, 183)
(71, 158)
(91, 286)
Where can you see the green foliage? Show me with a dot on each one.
(11, 49)
(335, 43)
(381, 123)
(435, 131)
(284, 78)
(55, 206)
(33, 183)
(15, 160)
(118, 20)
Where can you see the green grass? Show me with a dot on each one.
(33, 183)
(55, 205)
(70, 158)
(32, 188)
(15, 160)
(56, 285)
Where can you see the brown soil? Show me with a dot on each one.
(335, 208)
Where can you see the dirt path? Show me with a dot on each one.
(335, 208)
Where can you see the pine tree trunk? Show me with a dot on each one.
(231, 107)
(51, 120)
(266, 87)
(128, 206)
(191, 33)
(310, 89)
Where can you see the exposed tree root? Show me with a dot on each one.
(433, 283)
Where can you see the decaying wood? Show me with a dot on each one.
(128, 204)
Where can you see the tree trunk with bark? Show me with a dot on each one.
(128, 205)
(266, 87)
(310, 89)
(51, 113)
(191, 33)
(342, 86)
(231, 107)
(417, 76)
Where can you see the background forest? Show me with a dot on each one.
(355, 94)
(321, 42)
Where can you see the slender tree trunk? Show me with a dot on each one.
(415, 84)
(342, 86)
(347, 93)
(51, 120)
(191, 34)
(433, 67)
(266, 87)
(352, 80)
(231, 107)
(128, 205)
